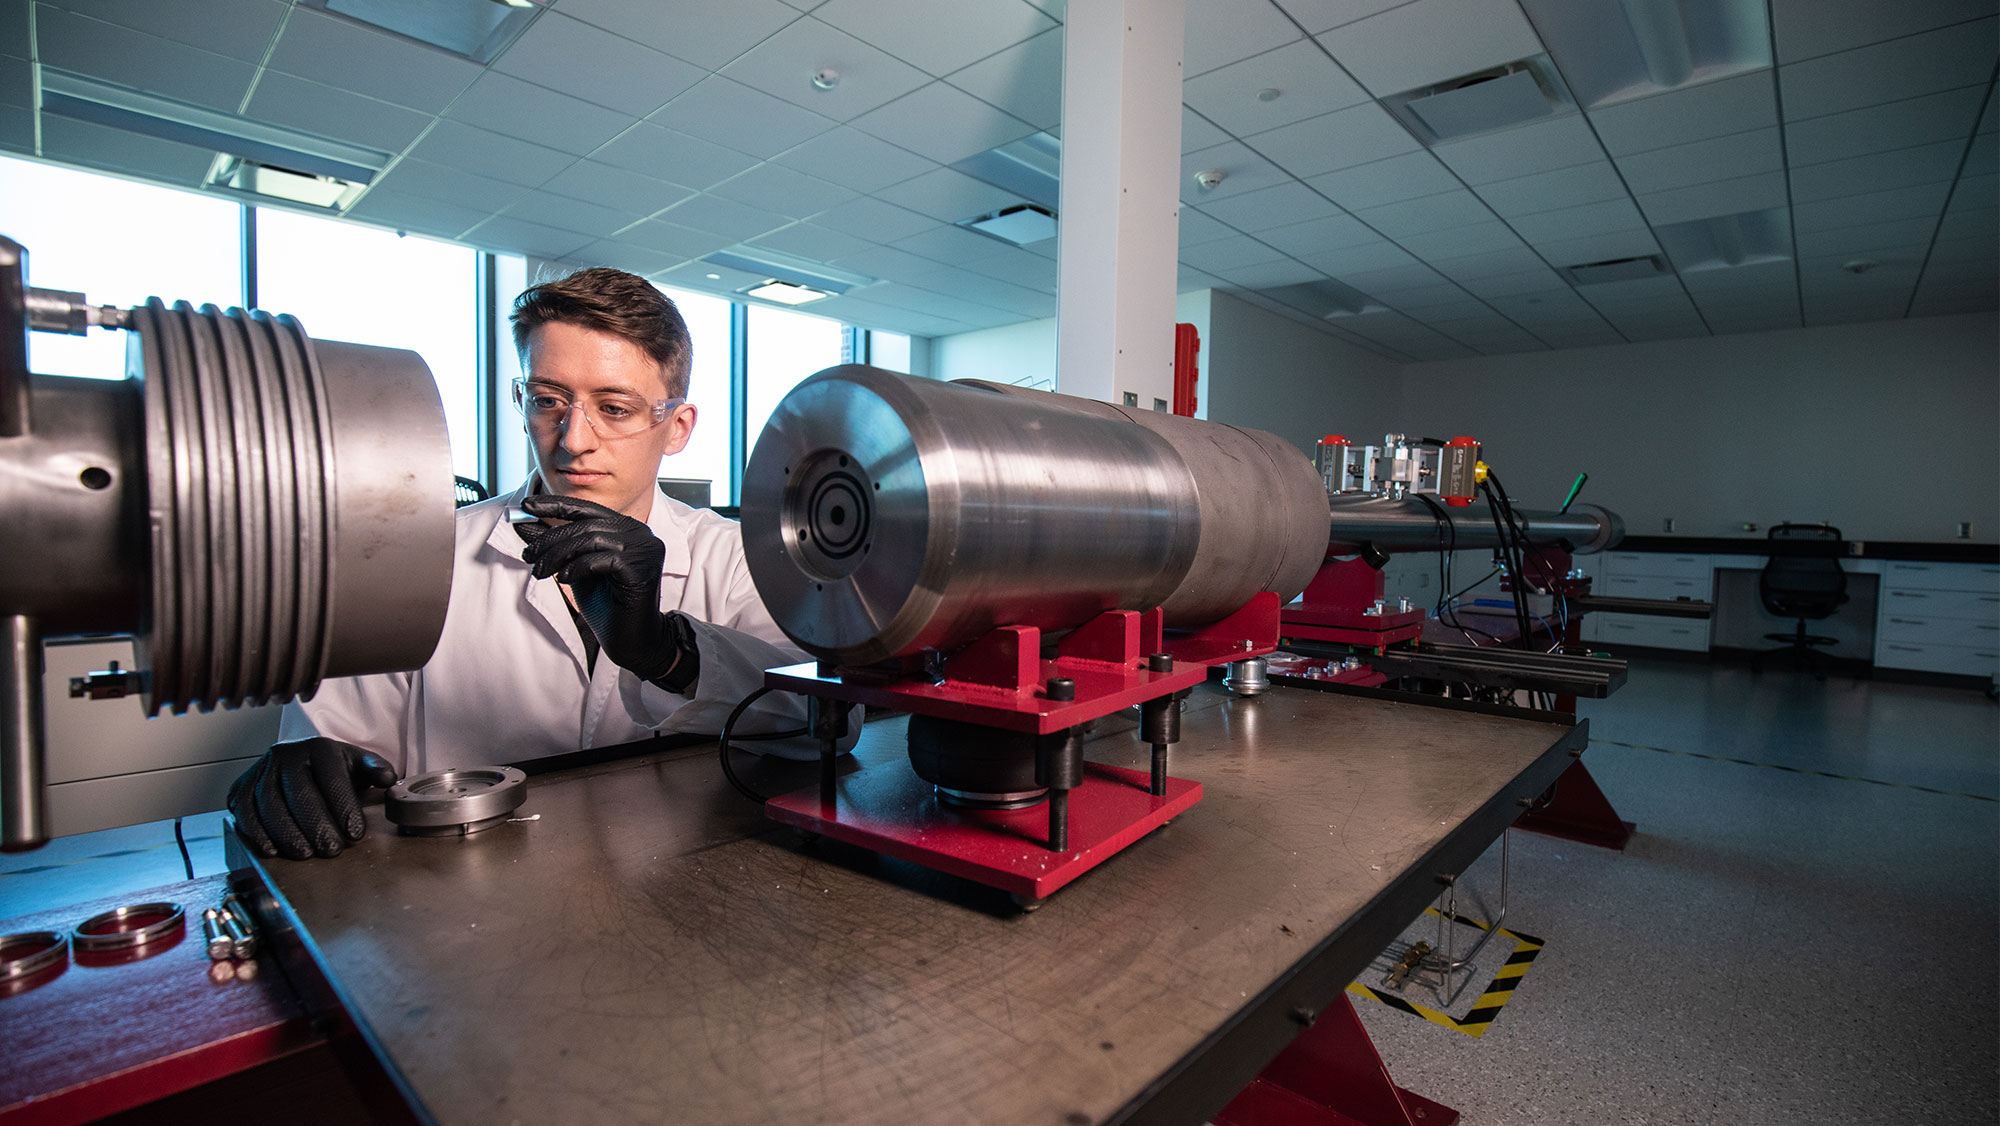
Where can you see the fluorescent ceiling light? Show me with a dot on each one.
(83, 98)
(785, 293)
(252, 178)
(474, 29)
(1030, 168)
(1616, 51)
(1022, 225)
(764, 262)
(1615, 270)
(1488, 100)
(1727, 241)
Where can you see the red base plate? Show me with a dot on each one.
(895, 813)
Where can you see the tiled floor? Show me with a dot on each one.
(1773, 946)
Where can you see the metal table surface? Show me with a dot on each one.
(652, 949)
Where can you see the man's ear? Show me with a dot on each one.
(680, 426)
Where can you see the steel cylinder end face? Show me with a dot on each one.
(455, 802)
(828, 514)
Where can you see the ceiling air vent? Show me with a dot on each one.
(1727, 241)
(1615, 270)
(1496, 98)
(472, 29)
(1327, 300)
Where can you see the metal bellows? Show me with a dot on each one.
(258, 510)
(884, 515)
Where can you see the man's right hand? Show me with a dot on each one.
(303, 799)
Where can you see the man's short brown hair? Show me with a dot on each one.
(613, 301)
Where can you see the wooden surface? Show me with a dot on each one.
(652, 949)
(98, 1038)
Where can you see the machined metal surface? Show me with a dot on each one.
(1150, 991)
(123, 928)
(1500, 667)
(883, 515)
(30, 952)
(455, 802)
(1408, 524)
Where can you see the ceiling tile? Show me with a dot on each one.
(1457, 242)
(132, 58)
(1229, 254)
(1402, 276)
(1598, 248)
(1349, 261)
(1324, 15)
(1220, 32)
(1386, 181)
(1275, 206)
(1197, 132)
(1332, 141)
(1724, 197)
(942, 122)
(567, 214)
(951, 244)
(708, 33)
(517, 236)
(1432, 40)
(1245, 171)
(1975, 193)
(1700, 162)
(513, 108)
(874, 220)
(939, 36)
(723, 217)
(1197, 228)
(588, 62)
(887, 262)
(1328, 233)
(616, 188)
(1025, 80)
(390, 208)
(948, 195)
(17, 84)
(1559, 142)
(1753, 275)
(784, 65)
(1895, 125)
(676, 157)
(471, 149)
(625, 256)
(854, 159)
(1550, 191)
(1944, 59)
(1426, 214)
(786, 191)
(706, 277)
(1437, 300)
(96, 146)
(351, 57)
(298, 103)
(1695, 113)
(1489, 264)
(729, 113)
(1982, 158)
(448, 184)
(1031, 271)
(812, 241)
(1805, 29)
(1969, 224)
(1308, 84)
(240, 29)
(1873, 236)
(1528, 283)
(1283, 271)
(1854, 210)
(1924, 164)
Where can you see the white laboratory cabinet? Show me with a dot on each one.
(1649, 574)
(1939, 617)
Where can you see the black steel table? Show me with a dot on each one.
(652, 949)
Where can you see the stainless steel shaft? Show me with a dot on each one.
(1409, 524)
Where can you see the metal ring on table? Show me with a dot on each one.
(451, 803)
(30, 952)
(90, 934)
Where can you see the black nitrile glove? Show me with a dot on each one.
(611, 563)
(303, 799)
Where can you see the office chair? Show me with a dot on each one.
(1803, 580)
(466, 491)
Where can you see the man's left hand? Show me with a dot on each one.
(611, 563)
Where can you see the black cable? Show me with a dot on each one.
(187, 861)
(1513, 564)
(722, 745)
(1445, 525)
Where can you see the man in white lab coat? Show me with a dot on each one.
(629, 615)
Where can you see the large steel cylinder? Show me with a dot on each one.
(884, 515)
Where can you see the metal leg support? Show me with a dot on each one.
(1160, 723)
(23, 817)
(1059, 766)
(828, 720)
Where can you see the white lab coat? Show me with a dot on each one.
(508, 681)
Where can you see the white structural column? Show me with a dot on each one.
(1120, 218)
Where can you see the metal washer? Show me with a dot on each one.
(453, 803)
(38, 950)
(89, 935)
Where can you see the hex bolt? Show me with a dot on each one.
(1060, 688)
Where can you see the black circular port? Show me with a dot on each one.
(95, 478)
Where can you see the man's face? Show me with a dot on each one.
(575, 460)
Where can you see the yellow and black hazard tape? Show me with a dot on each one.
(1484, 1010)
(1796, 770)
